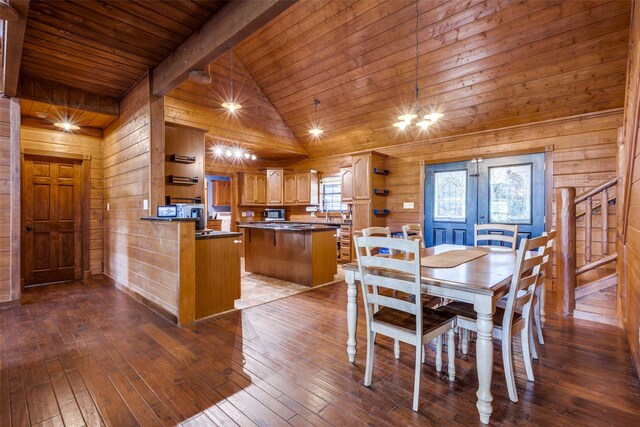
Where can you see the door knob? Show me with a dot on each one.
(28, 228)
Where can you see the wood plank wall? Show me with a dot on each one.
(139, 256)
(631, 227)
(70, 143)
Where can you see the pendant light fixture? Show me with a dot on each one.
(231, 104)
(406, 119)
(315, 130)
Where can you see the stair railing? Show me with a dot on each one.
(566, 249)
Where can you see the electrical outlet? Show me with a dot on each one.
(108, 206)
(408, 205)
(145, 204)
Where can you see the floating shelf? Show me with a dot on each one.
(172, 200)
(381, 171)
(381, 211)
(182, 180)
(380, 192)
(179, 158)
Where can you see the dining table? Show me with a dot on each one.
(481, 281)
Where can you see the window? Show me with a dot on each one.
(330, 195)
(450, 196)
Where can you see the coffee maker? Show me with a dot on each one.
(193, 211)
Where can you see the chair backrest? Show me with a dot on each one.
(413, 232)
(491, 233)
(546, 255)
(401, 273)
(529, 258)
(374, 232)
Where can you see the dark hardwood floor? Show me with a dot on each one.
(87, 354)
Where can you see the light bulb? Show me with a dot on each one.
(66, 126)
(237, 153)
(218, 151)
(424, 124)
(433, 117)
(247, 155)
(231, 106)
(228, 153)
(407, 117)
(253, 157)
(315, 131)
(400, 125)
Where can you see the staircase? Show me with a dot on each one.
(589, 291)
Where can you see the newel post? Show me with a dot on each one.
(566, 250)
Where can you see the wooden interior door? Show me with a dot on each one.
(52, 220)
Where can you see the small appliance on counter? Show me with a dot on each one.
(193, 211)
(273, 214)
(225, 218)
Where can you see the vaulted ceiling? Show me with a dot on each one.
(484, 64)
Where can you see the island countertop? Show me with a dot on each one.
(289, 227)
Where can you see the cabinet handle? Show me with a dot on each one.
(237, 241)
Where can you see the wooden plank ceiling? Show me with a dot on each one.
(105, 47)
(485, 64)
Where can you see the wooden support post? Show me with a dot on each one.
(566, 250)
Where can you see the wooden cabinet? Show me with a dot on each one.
(346, 184)
(217, 273)
(345, 243)
(301, 188)
(369, 190)
(214, 224)
(184, 166)
(252, 189)
(361, 215)
(361, 177)
(275, 187)
(221, 193)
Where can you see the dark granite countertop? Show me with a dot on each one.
(297, 226)
(217, 235)
(164, 219)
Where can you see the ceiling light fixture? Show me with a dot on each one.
(234, 153)
(406, 119)
(231, 104)
(66, 126)
(315, 130)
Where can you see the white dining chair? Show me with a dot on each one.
(538, 308)
(403, 319)
(495, 234)
(516, 316)
(413, 232)
(375, 232)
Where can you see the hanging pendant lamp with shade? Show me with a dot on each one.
(405, 120)
(231, 104)
(315, 130)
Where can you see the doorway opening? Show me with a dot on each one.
(502, 190)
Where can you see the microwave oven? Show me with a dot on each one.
(274, 214)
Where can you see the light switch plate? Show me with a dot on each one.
(407, 205)
(145, 204)
(108, 206)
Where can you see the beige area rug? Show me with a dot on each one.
(451, 258)
(257, 289)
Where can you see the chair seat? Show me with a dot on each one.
(464, 309)
(431, 319)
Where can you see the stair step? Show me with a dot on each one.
(594, 317)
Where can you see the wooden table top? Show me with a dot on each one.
(489, 274)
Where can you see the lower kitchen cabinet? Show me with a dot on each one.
(217, 274)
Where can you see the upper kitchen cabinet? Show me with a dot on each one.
(369, 173)
(275, 187)
(253, 188)
(184, 166)
(221, 193)
(301, 188)
(346, 185)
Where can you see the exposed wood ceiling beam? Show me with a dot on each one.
(12, 50)
(233, 23)
(66, 96)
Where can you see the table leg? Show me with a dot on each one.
(484, 359)
(352, 314)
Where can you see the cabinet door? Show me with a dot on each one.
(361, 215)
(222, 193)
(290, 189)
(346, 184)
(249, 189)
(274, 187)
(261, 189)
(303, 188)
(361, 177)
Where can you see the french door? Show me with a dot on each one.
(504, 190)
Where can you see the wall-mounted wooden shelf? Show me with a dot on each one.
(182, 180)
(173, 200)
(380, 192)
(379, 171)
(179, 158)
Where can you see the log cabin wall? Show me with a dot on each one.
(629, 258)
(139, 256)
(54, 141)
(9, 201)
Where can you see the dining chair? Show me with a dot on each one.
(403, 319)
(538, 309)
(413, 232)
(495, 234)
(375, 232)
(516, 316)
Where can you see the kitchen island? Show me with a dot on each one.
(298, 253)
